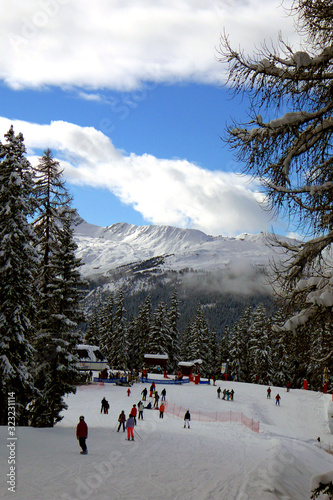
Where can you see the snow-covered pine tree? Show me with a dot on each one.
(160, 338)
(120, 339)
(141, 335)
(259, 349)
(58, 285)
(214, 354)
(198, 346)
(292, 154)
(238, 347)
(92, 336)
(106, 329)
(321, 360)
(134, 362)
(18, 262)
(281, 344)
(185, 343)
(174, 348)
(224, 346)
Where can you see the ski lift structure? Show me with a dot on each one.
(90, 358)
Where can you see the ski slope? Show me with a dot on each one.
(212, 460)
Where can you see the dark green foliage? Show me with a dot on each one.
(59, 284)
(18, 263)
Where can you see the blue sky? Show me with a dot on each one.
(130, 98)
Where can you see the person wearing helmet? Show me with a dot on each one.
(82, 435)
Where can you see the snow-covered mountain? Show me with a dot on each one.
(224, 275)
(103, 249)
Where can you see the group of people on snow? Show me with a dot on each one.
(227, 395)
(127, 424)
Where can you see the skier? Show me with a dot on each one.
(288, 386)
(161, 408)
(156, 396)
(187, 419)
(269, 390)
(163, 394)
(140, 408)
(128, 392)
(224, 392)
(133, 413)
(121, 420)
(104, 406)
(144, 394)
(232, 392)
(277, 399)
(82, 435)
(130, 428)
(219, 392)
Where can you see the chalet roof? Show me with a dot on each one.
(156, 356)
(190, 363)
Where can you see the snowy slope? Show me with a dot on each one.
(103, 249)
(211, 461)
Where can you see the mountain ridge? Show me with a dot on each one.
(106, 248)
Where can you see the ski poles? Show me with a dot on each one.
(136, 432)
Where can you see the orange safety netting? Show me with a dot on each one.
(217, 416)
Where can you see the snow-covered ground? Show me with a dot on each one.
(212, 460)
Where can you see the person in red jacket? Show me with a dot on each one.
(82, 434)
(133, 413)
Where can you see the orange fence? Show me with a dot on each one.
(216, 416)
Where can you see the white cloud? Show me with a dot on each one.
(119, 44)
(164, 191)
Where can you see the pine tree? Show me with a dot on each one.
(198, 347)
(120, 340)
(160, 337)
(321, 360)
(106, 329)
(214, 357)
(141, 335)
(185, 343)
(238, 347)
(173, 349)
(292, 155)
(281, 342)
(92, 336)
(18, 262)
(58, 285)
(259, 349)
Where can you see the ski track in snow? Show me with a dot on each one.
(210, 461)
